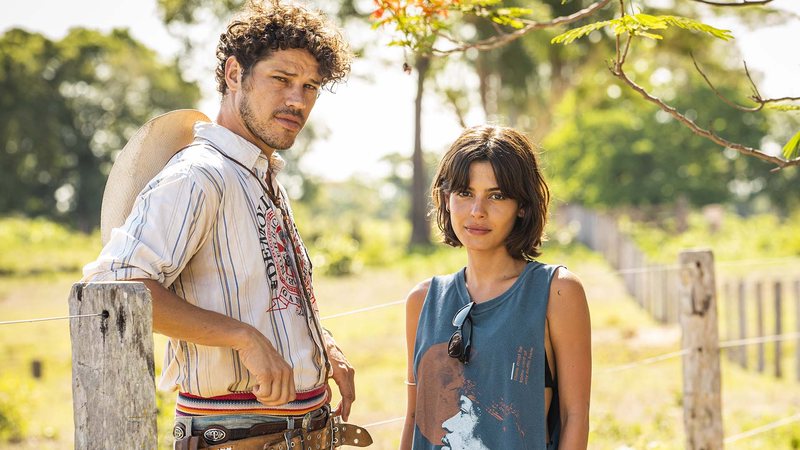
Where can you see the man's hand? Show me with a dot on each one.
(178, 319)
(343, 375)
(273, 374)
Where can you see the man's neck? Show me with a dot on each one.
(230, 119)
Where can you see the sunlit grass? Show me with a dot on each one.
(634, 408)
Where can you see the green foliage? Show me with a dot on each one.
(641, 25)
(613, 149)
(66, 108)
(755, 237)
(186, 11)
(792, 148)
(39, 246)
(13, 402)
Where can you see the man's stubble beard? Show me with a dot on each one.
(259, 129)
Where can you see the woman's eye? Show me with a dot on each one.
(311, 87)
(497, 197)
(463, 194)
(279, 79)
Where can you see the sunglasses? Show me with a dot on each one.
(461, 340)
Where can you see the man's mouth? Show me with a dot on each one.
(289, 121)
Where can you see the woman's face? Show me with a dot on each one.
(481, 215)
(461, 428)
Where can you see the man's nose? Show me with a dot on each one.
(297, 97)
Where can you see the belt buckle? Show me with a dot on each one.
(288, 435)
(179, 431)
(216, 434)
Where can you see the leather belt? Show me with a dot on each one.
(334, 434)
(218, 434)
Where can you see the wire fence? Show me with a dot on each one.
(722, 345)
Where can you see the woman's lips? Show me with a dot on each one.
(477, 230)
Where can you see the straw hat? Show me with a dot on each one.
(145, 154)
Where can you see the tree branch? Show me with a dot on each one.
(780, 163)
(740, 3)
(756, 97)
(499, 41)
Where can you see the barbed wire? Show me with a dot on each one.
(763, 428)
(360, 310)
(721, 345)
(384, 422)
(45, 319)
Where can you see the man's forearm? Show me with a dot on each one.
(176, 318)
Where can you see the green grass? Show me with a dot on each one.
(41, 247)
(635, 408)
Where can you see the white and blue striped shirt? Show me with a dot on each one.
(205, 229)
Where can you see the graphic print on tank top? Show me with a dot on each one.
(452, 411)
(497, 400)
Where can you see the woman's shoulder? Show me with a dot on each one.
(419, 292)
(564, 279)
(567, 296)
(438, 283)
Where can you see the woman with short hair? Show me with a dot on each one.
(499, 353)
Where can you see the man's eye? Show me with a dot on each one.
(280, 79)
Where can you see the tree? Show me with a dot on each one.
(424, 25)
(66, 108)
(612, 149)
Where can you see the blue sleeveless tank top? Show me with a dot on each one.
(496, 401)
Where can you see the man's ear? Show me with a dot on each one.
(233, 74)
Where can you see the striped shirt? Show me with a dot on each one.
(205, 229)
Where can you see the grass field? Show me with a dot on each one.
(637, 408)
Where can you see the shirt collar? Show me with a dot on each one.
(238, 147)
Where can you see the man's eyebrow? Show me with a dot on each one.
(292, 74)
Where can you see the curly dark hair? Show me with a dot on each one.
(516, 168)
(264, 27)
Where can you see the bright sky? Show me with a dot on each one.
(372, 114)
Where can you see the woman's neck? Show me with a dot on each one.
(489, 275)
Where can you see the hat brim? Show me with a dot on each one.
(145, 154)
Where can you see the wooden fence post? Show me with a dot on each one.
(797, 325)
(760, 325)
(702, 403)
(778, 329)
(742, 325)
(729, 334)
(113, 388)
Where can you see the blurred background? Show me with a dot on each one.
(632, 187)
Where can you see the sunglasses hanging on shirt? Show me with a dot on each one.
(461, 341)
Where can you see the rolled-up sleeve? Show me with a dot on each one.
(170, 220)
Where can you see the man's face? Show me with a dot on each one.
(277, 96)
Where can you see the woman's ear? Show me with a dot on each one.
(521, 213)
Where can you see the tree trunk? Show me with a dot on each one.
(420, 228)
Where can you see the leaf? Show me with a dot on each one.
(792, 148)
(782, 107)
(569, 36)
(693, 25)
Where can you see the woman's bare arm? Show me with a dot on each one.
(570, 335)
(414, 303)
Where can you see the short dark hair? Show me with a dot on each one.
(516, 168)
(265, 27)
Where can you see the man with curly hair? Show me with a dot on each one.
(213, 238)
